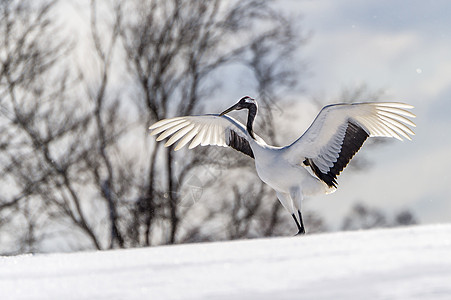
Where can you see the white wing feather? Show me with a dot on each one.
(323, 140)
(199, 130)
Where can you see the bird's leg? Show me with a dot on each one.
(296, 196)
(301, 227)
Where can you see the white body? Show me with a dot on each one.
(292, 182)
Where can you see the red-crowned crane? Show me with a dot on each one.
(308, 166)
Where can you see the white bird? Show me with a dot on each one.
(308, 166)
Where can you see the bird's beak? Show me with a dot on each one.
(236, 106)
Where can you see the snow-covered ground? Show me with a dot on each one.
(406, 263)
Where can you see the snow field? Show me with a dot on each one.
(404, 263)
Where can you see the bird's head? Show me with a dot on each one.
(245, 102)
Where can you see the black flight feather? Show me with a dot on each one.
(239, 143)
(353, 140)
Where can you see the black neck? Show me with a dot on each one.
(250, 119)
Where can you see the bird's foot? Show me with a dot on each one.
(300, 232)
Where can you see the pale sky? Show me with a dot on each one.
(404, 48)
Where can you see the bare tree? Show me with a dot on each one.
(75, 154)
(364, 217)
(405, 218)
(36, 120)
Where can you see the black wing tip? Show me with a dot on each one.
(328, 178)
(354, 138)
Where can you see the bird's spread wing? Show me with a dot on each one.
(203, 130)
(339, 131)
